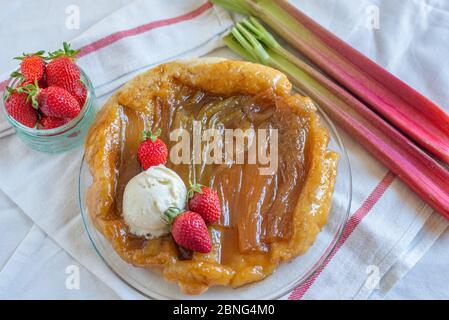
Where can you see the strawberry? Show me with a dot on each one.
(32, 66)
(152, 151)
(62, 70)
(53, 101)
(47, 122)
(79, 92)
(57, 102)
(20, 108)
(205, 201)
(189, 230)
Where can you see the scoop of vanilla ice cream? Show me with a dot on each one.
(146, 198)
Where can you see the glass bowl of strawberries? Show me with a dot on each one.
(50, 101)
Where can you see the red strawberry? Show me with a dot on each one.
(62, 70)
(79, 91)
(53, 101)
(152, 151)
(47, 122)
(189, 230)
(20, 108)
(32, 66)
(57, 102)
(205, 201)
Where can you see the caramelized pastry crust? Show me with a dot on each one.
(266, 219)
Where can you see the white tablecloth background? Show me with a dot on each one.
(23, 244)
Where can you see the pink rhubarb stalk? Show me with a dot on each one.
(409, 111)
(423, 174)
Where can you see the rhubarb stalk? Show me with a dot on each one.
(418, 170)
(413, 114)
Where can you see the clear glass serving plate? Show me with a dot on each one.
(288, 275)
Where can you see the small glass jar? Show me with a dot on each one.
(63, 138)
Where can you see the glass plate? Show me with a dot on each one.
(287, 277)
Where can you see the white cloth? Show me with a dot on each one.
(395, 231)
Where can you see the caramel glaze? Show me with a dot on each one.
(265, 219)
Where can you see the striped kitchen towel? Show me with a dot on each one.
(389, 227)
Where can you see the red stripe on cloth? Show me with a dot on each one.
(353, 222)
(114, 37)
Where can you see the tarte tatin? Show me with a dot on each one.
(266, 219)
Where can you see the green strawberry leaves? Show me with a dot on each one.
(149, 135)
(24, 55)
(194, 188)
(32, 91)
(170, 214)
(66, 51)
